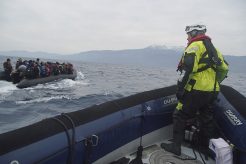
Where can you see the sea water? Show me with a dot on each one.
(95, 84)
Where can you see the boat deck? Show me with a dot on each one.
(154, 154)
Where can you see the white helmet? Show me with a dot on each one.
(196, 27)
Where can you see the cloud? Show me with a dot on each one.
(72, 26)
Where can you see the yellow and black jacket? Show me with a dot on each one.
(193, 61)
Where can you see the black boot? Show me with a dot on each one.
(178, 134)
(172, 147)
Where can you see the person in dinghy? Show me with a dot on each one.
(7, 69)
(204, 68)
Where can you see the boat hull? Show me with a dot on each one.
(32, 82)
(2, 75)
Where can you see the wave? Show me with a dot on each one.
(6, 89)
(62, 84)
(80, 76)
(42, 92)
(43, 99)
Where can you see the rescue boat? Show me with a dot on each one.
(126, 130)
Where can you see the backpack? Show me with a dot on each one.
(220, 66)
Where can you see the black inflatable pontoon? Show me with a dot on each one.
(24, 83)
(32, 82)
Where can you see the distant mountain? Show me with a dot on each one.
(149, 56)
(28, 54)
(152, 56)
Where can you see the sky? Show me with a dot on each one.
(73, 26)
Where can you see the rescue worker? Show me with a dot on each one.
(197, 89)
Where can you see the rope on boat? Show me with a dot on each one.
(70, 140)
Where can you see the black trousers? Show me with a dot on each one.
(194, 102)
